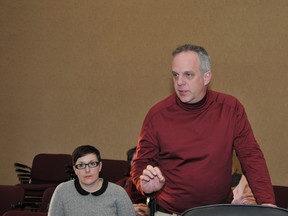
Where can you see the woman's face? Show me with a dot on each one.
(88, 176)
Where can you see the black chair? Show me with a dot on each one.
(23, 172)
(235, 210)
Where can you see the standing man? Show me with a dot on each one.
(184, 153)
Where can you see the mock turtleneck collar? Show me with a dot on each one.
(195, 106)
(96, 193)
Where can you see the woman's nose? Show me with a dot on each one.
(87, 168)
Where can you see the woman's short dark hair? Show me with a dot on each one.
(84, 150)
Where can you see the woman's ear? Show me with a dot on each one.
(74, 168)
(100, 166)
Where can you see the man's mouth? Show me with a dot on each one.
(182, 91)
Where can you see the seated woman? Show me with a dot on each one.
(88, 194)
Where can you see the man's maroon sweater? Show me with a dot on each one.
(192, 145)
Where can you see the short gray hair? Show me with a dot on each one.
(205, 62)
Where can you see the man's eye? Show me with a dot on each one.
(189, 75)
(174, 74)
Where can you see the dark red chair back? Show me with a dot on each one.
(50, 168)
(113, 170)
(281, 195)
(46, 198)
(10, 195)
(25, 213)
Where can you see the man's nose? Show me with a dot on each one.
(180, 80)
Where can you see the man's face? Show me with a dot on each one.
(190, 83)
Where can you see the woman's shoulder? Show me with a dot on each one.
(115, 187)
(65, 185)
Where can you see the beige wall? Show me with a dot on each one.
(86, 72)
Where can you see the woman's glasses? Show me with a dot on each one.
(91, 164)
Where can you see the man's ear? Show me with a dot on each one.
(207, 77)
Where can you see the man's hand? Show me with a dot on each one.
(151, 179)
(141, 209)
(268, 204)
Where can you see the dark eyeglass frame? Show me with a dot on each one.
(91, 164)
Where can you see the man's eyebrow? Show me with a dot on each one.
(188, 71)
